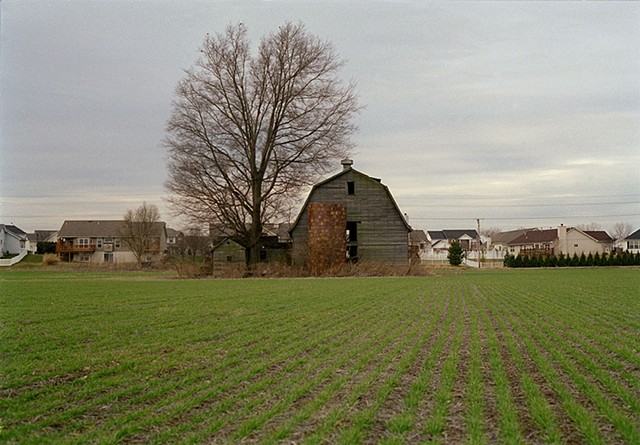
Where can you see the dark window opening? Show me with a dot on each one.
(351, 188)
(352, 254)
(352, 231)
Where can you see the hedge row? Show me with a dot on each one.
(613, 259)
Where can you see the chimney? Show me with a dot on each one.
(562, 239)
(347, 163)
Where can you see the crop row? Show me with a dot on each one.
(506, 356)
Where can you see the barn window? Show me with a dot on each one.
(352, 231)
(351, 188)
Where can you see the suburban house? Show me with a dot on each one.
(12, 240)
(40, 236)
(565, 240)
(500, 241)
(101, 242)
(632, 242)
(349, 216)
(175, 242)
(440, 240)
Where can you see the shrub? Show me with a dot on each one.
(456, 254)
(49, 259)
(188, 268)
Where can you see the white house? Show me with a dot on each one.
(632, 242)
(12, 240)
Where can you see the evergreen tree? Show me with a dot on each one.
(596, 259)
(456, 254)
(575, 261)
(589, 260)
(508, 261)
(583, 260)
(561, 260)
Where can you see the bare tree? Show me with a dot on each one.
(621, 230)
(249, 132)
(490, 231)
(592, 226)
(138, 230)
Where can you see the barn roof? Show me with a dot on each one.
(348, 168)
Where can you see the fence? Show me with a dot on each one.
(16, 259)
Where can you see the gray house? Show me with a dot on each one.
(349, 216)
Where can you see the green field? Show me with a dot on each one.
(510, 356)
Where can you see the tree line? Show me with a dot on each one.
(562, 260)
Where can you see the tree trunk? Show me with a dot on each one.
(255, 231)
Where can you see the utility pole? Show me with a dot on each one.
(478, 242)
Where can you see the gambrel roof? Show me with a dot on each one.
(345, 170)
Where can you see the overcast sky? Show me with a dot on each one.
(519, 113)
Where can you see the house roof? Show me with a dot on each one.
(535, 236)
(348, 168)
(634, 235)
(452, 234)
(173, 232)
(418, 236)
(97, 229)
(13, 230)
(506, 237)
(599, 235)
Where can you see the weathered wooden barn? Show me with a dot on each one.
(349, 217)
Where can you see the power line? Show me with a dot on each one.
(538, 205)
(528, 218)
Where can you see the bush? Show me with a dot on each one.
(49, 259)
(189, 268)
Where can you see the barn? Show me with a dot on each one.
(349, 217)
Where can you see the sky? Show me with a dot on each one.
(520, 114)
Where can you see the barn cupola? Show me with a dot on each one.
(347, 163)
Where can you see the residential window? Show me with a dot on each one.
(117, 242)
(351, 188)
(99, 243)
(108, 258)
(634, 244)
(83, 242)
(108, 240)
(84, 256)
(229, 258)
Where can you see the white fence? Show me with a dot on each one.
(490, 259)
(16, 259)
